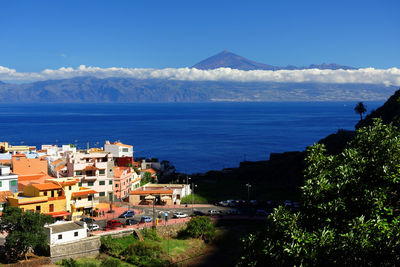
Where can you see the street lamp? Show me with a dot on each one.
(248, 193)
(186, 193)
(193, 186)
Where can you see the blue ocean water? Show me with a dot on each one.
(195, 137)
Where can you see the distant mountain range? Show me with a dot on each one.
(95, 90)
(226, 59)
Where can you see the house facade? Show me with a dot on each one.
(161, 194)
(63, 232)
(46, 198)
(8, 181)
(123, 176)
(95, 170)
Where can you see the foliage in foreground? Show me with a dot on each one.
(199, 227)
(25, 232)
(350, 214)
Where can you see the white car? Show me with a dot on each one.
(93, 227)
(180, 215)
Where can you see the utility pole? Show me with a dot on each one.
(193, 186)
(154, 221)
(248, 193)
(186, 193)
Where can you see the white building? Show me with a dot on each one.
(8, 181)
(62, 232)
(95, 170)
(118, 150)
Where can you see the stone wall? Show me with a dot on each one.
(84, 247)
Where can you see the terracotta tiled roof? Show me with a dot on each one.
(4, 195)
(56, 162)
(151, 192)
(90, 168)
(47, 186)
(58, 214)
(120, 144)
(151, 171)
(82, 193)
(24, 180)
(119, 170)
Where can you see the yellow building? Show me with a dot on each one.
(5, 147)
(79, 200)
(46, 198)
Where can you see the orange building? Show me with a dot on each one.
(24, 166)
(122, 182)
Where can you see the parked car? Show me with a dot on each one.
(127, 214)
(131, 222)
(88, 220)
(214, 212)
(180, 215)
(145, 219)
(198, 213)
(233, 212)
(93, 227)
(114, 223)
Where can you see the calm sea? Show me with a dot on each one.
(195, 137)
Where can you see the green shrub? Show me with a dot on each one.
(69, 263)
(110, 246)
(150, 234)
(111, 262)
(146, 261)
(199, 227)
(143, 248)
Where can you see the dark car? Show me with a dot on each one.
(114, 223)
(198, 213)
(88, 220)
(131, 222)
(126, 214)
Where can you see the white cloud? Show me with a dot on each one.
(386, 77)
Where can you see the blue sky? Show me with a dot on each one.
(36, 35)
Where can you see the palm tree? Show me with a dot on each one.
(360, 109)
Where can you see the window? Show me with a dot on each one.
(125, 150)
(45, 193)
(14, 183)
(79, 198)
(78, 173)
(59, 236)
(51, 207)
(90, 183)
(102, 172)
(102, 194)
(1, 183)
(75, 233)
(110, 182)
(52, 193)
(102, 183)
(116, 185)
(80, 184)
(38, 208)
(90, 198)
(69, 187)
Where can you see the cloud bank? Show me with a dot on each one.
(387, 77)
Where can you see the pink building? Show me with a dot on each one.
(123, 177)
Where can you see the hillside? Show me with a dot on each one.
(95, 90)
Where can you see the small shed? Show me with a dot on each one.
(62, 232)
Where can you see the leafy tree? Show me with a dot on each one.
(146, 178)
(360, 109)
(25, 231)
(350, 214)
(199, 227)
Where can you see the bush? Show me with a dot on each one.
(69, 263)
(110, 246)
(111, 262)
(150, 234)
(143, 248)
(199, 227)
